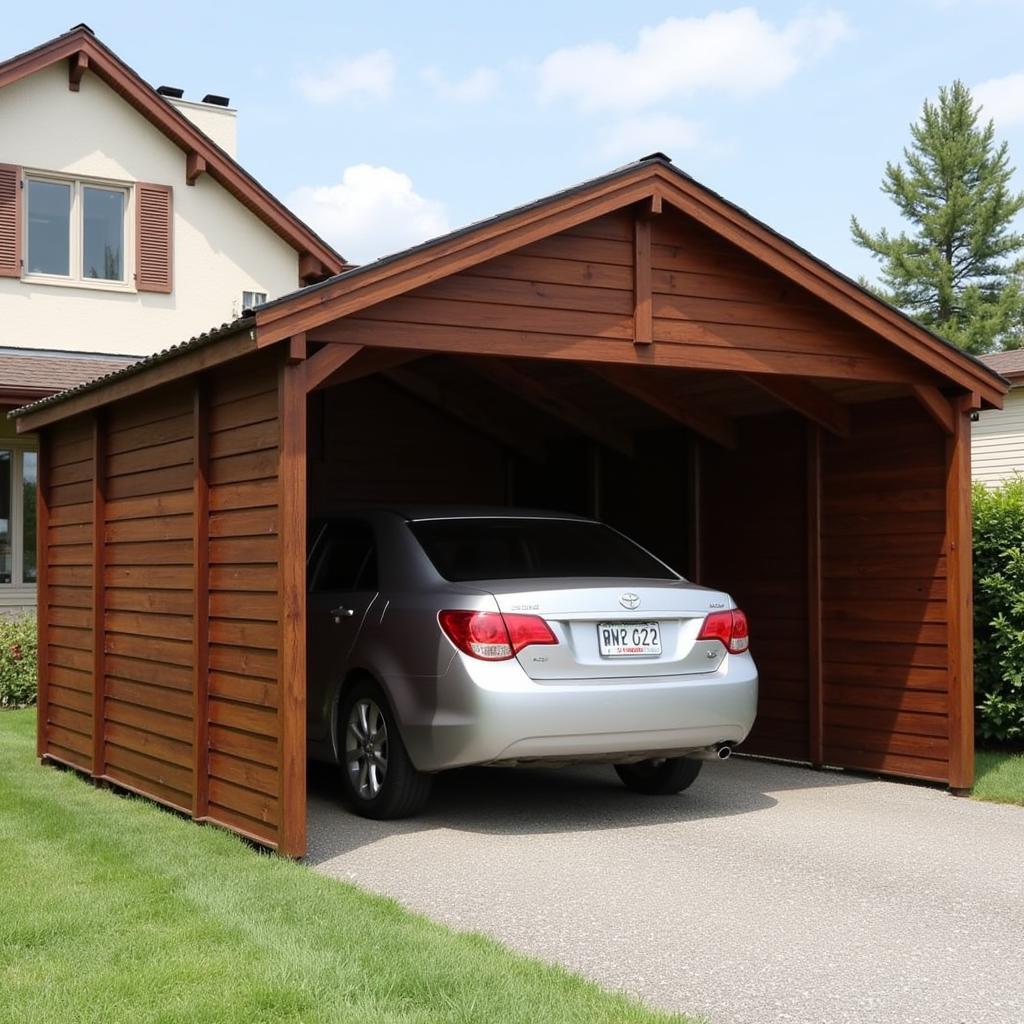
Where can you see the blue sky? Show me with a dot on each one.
(386, 123)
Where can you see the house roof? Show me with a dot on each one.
(36, 373)
(1008, 364)
(85, 53)
(358, 287)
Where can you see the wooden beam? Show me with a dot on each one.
(806, 399)
(99, 515)
(195, 164)
(42, 590)
(298, 348)
(201, 610)
(292, 398)
(960, 604)
(474, 410)
(553, 401)
(319, 366)
(654, 204)
(78, 64)
(643, 298)
(643, 387)
(815, 646)
(937, 406)
(203, 357)
(367, 363)
(311, 269)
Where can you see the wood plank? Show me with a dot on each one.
(247, 717)
(146, 624)
(643, 303)
(240, 633)
(150, 506)
(162, 528)
(151, 720)
(937, 406)
(155, 456)
(245, 522)
(246, 689)
(149, 788)
(251, 437)
(249, 802)
(245, 745)
(960, 604)
(157, 577)
(157, 602)
(143, 695)
(293, 387)
(151, 744)
(244, 773)
(142, 766)
(244, 661)
(253, 494)
(155, 649)
(150, 553)
(249, 578)
(176, 427)
(201, 596)
(250, 466)
(244, 550)
(178, 677)
(157, 481)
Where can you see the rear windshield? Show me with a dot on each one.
(516, 549)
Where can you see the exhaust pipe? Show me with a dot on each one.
(719, 752)
(724, 751)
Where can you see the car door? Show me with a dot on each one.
(342, 587)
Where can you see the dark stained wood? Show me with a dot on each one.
(97, 627)
(293, 387)
(960, 603)
(937, 406)
(807, 400)
(43, 587)
(815, 651)
(201, 603)
(643, 303)
(328, 360)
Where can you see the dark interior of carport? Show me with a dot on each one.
(636, 350)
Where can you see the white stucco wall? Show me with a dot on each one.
(997, 441)
(218, 122)
(220, 248)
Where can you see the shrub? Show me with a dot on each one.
(18, 662)
(999, 611)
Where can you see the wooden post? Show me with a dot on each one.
(695, 568)
(292, 388)
(201, 606)
(815, 654)
(42, 588)
(960, 602)
(643, 311)
(99, 522)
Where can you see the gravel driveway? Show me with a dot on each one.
(766, 894)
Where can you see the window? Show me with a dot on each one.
(77, 232)
(250, 300)
(348, 559)
(18, 475)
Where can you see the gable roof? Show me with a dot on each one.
(358, 287)
(1009, 364)
(653, 175)
(84, 52)
(35, 373)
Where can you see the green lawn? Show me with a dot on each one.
(113, 911)
(999, 777)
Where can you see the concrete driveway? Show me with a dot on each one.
(766, 894)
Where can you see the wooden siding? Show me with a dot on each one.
(884, 594)
(753, 544)
(997, 441)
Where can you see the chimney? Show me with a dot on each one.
(212, 116)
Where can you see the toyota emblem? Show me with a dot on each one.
(629, 600)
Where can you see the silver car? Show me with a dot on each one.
(443, 637)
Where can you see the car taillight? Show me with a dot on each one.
(730, 628)
(492, 636)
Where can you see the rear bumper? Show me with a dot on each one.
(493, 712)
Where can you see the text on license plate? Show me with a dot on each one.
(628, 639)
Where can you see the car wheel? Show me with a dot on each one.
(661, 776)
(378, 779)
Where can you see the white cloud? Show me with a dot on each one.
(477, 86)
(369, 76)
(642, 134)
(371, 212)
(1001, 99)
(735, 52)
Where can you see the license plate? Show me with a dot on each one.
(629, 639)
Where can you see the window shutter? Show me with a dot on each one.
(153, 238)
(10, 221)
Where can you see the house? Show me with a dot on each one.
(997, 446)
(126, 224)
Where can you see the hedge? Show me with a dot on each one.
(18, 661)
(999, 611)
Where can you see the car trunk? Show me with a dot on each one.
(614, 629)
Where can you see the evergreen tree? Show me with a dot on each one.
(959, 270)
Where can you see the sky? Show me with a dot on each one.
(383, 124)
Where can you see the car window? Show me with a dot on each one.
(487, 549)
(347, 559)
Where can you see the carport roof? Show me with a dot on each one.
(655, 174)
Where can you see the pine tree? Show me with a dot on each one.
(959, 270)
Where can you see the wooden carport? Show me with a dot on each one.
(822, 436)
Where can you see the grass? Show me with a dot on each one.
(999, 777)
(112, 910)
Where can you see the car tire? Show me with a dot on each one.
(660, 777)
(378, 780)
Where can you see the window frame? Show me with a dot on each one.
(17, 446)
(76, 235)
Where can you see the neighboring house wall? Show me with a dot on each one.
(997, 441)
(219, 248)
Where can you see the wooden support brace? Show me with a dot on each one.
(319, 366)
(195, 164)
(78, 64)
(367, 363)
(935, 403)
(806, 399)
(298, 348)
